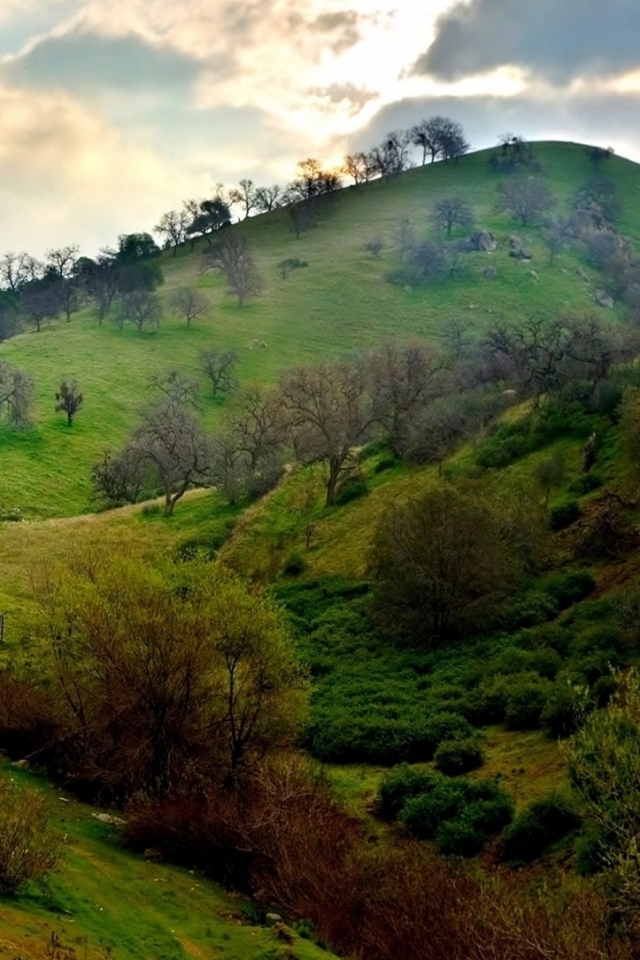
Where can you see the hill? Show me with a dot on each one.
(339, 302)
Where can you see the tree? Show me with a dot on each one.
(16, 396)
(172, 226)
(233, 256)
(142, 712)
(191, 304)
(312, 181)
(328, 410)
(404, 377)
(61, 261)
(171, 443)
(598, 200)
(121, 478)
(391, 157)
(439, 564)
(39, 301)
(219, 368)
(176, 386)
(452, 211)
(17, 269)
(69, 399)
(134, 247)
(358, 167)
(439, 138)
(207, 217)
(525, 198)
(141, 308)
(100, 279)
(245, 196)
(268, 198)
(249, 455)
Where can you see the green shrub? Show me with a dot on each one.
(542, 824)
(530, 610)
(526, 697)
(569, 588)
(385, 463)
(564, 710)
(454, 757)
(459, 838)
(585, 484)
(294, 565)
(423, 814)
(590, 850)
(563, 514)
(351, 490)
(400, 785)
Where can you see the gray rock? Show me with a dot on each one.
(490, 273)
(108, 818)
(534, 275)
(582, 273)
(484, 240)
(274, 918)
(603, 299)
(153, 853)
(22, 764)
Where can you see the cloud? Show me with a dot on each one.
(555, 39)
(588, 116)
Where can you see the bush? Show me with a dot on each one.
(526, 696)
(29, 849)
(385, 463)
(400, 785)
(565, 710)
(543, 823)
(351, 490)
(459, 838)
(294, 565)
(458, 756)
(585, 484)
(569, 588)
(563, 514)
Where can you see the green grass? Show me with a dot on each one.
(105, 897)
(340, 302)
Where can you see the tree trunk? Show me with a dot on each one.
(334, 472)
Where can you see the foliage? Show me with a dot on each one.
(564, 513)
(458, 756)
(138, 710)
(440, 563)
(69, 399)
(542, 824)
(29, 848)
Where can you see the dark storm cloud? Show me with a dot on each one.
(557, 39)
(596, 119)
(86, 63)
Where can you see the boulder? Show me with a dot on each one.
(490, 273)
(516, 249)
(603, 299)
(484, 240)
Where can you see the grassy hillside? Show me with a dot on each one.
(339, 302)
(105, 902)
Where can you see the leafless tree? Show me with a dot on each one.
(526, 198)
(61, 261)
(176, 386)
(451, 211)
(191, 304)
(16, 396)
(328, 411)
(358, 167)
(249, 455)
(171, 442)
(121, 477)
(268, 198)
(233, 256)
(39, 301)
(172, 226)
(141, 308)
(219, 368)
(244, 195)
(405, 238)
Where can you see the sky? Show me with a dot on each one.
(115, 111)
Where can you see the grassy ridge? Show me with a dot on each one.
(339, 302)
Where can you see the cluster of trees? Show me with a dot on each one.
(439, 138)
(34, 291)
(419, 399)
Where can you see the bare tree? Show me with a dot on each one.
(141, 308)
(69, 399)
(120, 478)
(16, 396)
(171, 442)
(328, 411)
(172, 226)
(358, 167)
(39, 301)
(61, 262)
(233, 256)
(451, 211)
(312, 181)
(249, 455)
(391, 156)
(176, 386)
(268, 198)
(439, 138)
(526, 198)
(191, 304)
(244, 196)
(219, 368)
(405, 238)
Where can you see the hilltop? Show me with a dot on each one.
(338, 303)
